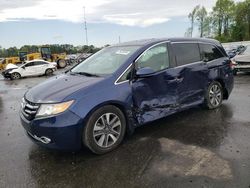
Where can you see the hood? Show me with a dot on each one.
(242, 58)
(11, 66)
(57, 88)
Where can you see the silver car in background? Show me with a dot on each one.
(242, 61)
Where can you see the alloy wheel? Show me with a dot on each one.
(15, 76)
(107, 130)
(215, 95)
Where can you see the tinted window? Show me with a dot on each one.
(155, 58)
(210, 52)
(246, 50)
(39, 63)
(186, 53)
(29, 64)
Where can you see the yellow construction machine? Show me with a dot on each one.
(12, 60)
(45, 53)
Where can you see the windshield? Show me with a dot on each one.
(106, 61)
(45, 50)
(246, 51)
(229, 48)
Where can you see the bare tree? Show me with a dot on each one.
(201, 16)
(192, 16)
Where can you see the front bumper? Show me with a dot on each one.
(6, 74)
(62, 132)
(243, 68)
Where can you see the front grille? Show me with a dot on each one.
(242, 63)
(29, 109)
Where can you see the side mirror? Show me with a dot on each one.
(23, 67)
(205, 59)
(144, 72)
(231, 55)
(67, 70)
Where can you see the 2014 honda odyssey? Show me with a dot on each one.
(122, 87)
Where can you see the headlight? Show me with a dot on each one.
(53, 109)
(234, 62)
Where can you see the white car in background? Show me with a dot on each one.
(241, 61)
(29, 68)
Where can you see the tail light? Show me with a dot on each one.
(232, 64)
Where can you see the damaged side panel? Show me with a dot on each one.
(194, 81)
(154, 97)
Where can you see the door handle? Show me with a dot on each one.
(179, 79)
(175, 79)
(170, 80)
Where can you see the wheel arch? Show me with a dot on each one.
(17, 73)
(225, 92)
(121, 106)
(57, 60)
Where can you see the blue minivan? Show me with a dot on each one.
(124, 86)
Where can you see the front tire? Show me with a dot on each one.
(104, 130)
(15, 76)
(214, 95)
(48, 72)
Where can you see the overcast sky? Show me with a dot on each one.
(60, 21)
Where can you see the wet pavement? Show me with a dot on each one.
(195, 148)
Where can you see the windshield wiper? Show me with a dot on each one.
(84, 74)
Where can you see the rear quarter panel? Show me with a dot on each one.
(220, 70)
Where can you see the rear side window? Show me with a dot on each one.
(186, 53)
(39, 63)
(29, 64)
(210, 52)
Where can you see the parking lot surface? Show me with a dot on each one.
(195, 148)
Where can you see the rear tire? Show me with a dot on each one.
(235, 72)
(15, 76)
(48, 72)
(214, 95)
(61, 63)
(104, 130)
